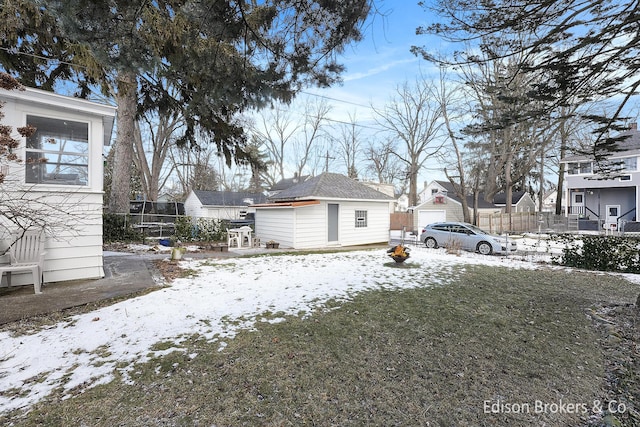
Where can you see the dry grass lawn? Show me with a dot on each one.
(488, 350)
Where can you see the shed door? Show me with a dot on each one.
(332, 225)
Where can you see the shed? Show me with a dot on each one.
(326, 210)
(62, 167)
(225, 205)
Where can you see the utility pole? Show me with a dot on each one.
(326, 159)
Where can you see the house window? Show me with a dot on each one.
(361, 219)
(58, 152)
(630, 163)
(579, 168)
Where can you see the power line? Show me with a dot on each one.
(12, 51)
(46, 58)
(337, 100)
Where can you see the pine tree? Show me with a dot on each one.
(220, 58)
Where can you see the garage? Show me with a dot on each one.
(429, 216)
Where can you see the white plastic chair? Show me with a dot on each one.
(27, 254)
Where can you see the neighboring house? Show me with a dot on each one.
(220, 204)
(442, 204)
(70, 135)
(549, 201)
(286, 183)
(326, 210)
(521, 201)
(402, 203)
(605, 201)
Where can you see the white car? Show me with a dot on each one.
(467, 237)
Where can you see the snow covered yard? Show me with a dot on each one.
(218, 299)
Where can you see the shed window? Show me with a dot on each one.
(361, 219)
(58, 152)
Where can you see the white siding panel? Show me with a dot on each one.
(76, 252)
(378, 222)
(193, 207)
(275, 224)
(311, 226)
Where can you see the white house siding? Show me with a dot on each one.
(378, 222)
(306, 227)
(310, 226)
(276, 224)
(76, 253)
(193, 207)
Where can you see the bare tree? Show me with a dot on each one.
(413, 118)
(151, 150)
(450, 98)
(194, 170)
(305, 145)
(348, 140)
(288, 138)
(275, 130)
(383, 163)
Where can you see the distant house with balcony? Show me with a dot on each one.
(602, 202)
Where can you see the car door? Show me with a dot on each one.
(460, 237)
(441, 233)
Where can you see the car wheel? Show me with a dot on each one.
(484, 248)
(431, 243)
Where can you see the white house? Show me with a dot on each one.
(62, 167)
(220, 204)
(326, 210)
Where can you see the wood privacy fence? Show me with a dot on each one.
(516, 222)
(400, 220)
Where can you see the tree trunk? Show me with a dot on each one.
(413, 185)
(121, 182)
(560, 184)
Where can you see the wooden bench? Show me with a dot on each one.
(26, 253)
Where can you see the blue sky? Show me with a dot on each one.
(380, 63)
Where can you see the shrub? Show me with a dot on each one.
(117, 228)
(602, 253)
(204, 229)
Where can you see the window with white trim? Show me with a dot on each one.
(580, 168)
(361, 219)
(630, 164)
(58, 152)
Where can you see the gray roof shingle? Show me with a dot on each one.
(330, 186)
